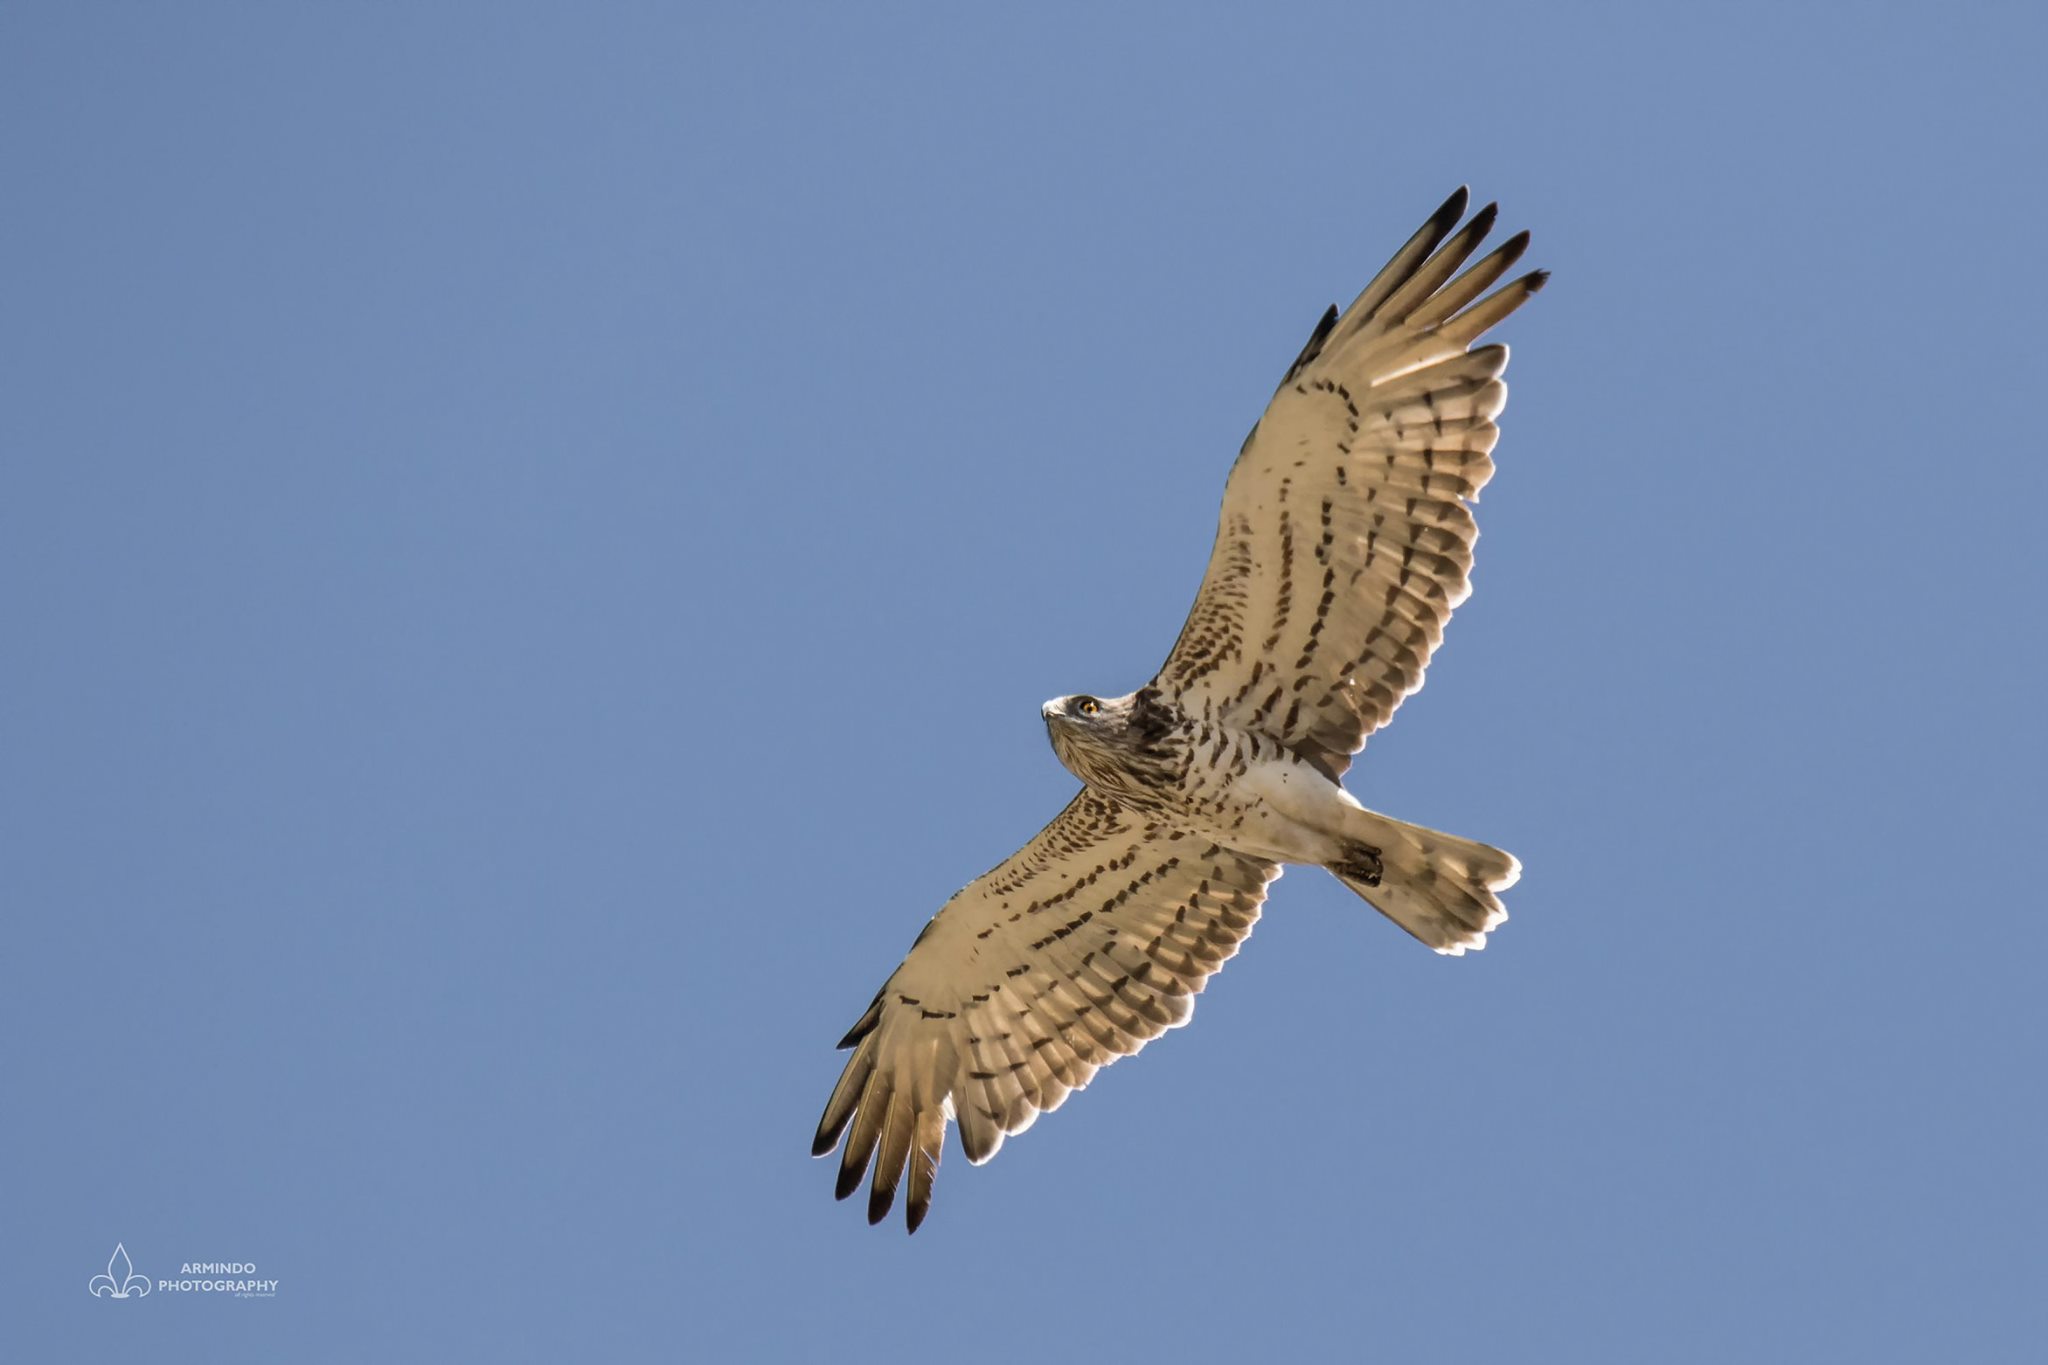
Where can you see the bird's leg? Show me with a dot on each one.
(1361, 862)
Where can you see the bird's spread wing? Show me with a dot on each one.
(1345, 539)
(1085, 944)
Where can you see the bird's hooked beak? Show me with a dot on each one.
(1050, 710)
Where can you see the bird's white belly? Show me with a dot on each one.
(1283, 809)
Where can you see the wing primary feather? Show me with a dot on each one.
(860, 1143)
(1469, 325)
(1413, 253)
(1441, 265)
(890, 1157)
(924, 1165)
(1313, 347)
(865, 1025)
(839, 1108)
(1471, 284)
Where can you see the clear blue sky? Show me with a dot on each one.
(532, 540)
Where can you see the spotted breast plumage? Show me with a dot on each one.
(1344, 543)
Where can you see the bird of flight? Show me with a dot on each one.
(1344, 543)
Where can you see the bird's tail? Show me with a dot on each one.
(1437, 886)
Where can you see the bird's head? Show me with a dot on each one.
(1104, 741)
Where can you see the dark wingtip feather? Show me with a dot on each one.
(864, 1025)
(880, 1200)
(1446, 217)
(1320, 334)
(1402, 266)
(1314, 346)
(827, 1138)
(1482, 222)
(1535, 280)
(849, 1180)
(929, 1144)
(1507, 253)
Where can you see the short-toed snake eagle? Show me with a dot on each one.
(1344, 543)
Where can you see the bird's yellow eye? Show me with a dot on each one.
(1087, 706)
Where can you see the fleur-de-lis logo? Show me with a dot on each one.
(120, 1281)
